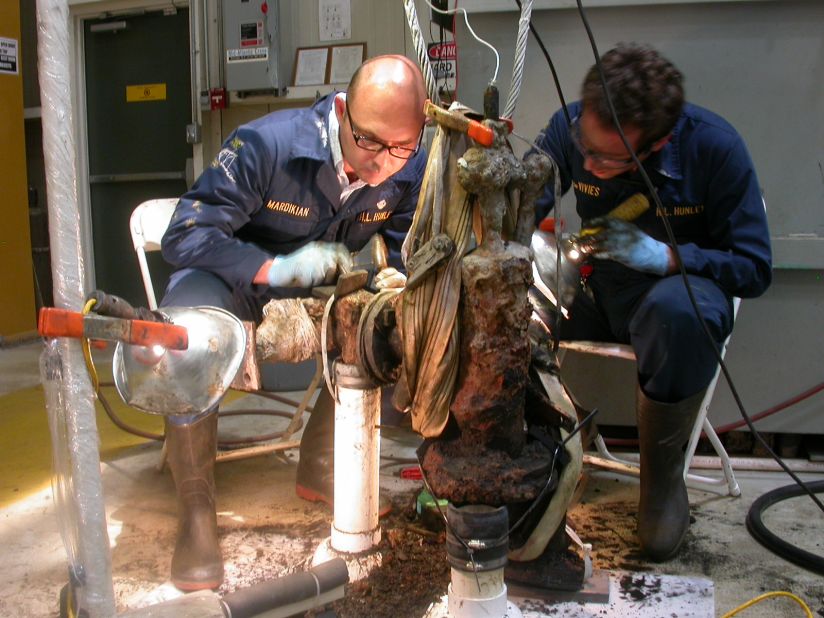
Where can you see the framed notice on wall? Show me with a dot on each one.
(311, 66)
(344, 62)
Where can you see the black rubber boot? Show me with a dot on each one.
(197, 563)
(557, 568)
(664, 509)
(315, 480)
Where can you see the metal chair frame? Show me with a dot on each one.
(147, 224)
(727, 485)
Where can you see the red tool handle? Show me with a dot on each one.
(170, 336)
(53, 322)
(480, 133)
(412, 473)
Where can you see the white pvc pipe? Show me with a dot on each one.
(479, 595)
(756, 464)
(95, 595)
(355, 527)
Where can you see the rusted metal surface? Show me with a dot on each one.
(466, 475)
(431, 255)
(248, 376)
(486, 461)
(483, 457)
(347, 313)
(537, 172)
(494, 350)
(377, 324)
(486, 173)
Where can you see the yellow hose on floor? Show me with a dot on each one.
(768, 595)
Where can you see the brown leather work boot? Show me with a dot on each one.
(197, 563)
(664, 508)
(315, 480)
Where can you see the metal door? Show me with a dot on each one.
(138, 101)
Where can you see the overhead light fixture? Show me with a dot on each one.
(109, 26)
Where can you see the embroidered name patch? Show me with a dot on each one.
(373, 217)
(684, 211)
(587, 189)
(289, 208)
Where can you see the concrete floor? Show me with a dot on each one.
(266, 530)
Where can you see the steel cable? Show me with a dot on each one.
(520, 55)
(420, 50)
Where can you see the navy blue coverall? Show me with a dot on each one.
(708, 187)
(272, 189)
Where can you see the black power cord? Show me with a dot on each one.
(772, 541)
(803, 488)
(222, 444)
(680, 264)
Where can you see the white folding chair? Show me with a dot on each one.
(148, 223)
(605, 459)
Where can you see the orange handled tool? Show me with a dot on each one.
(53, 322)
(458, 122)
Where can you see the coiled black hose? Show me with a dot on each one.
(772, 541)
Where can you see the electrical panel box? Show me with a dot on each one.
(257, 55)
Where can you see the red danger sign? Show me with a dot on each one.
(442, 51)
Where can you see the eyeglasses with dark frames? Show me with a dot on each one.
(375, 145)
(601, 160)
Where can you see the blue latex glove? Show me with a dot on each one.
(615, 239)
(316, 263)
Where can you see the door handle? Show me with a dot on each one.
(144, 177)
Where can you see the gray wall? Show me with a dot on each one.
(378, 23)
(759, 64)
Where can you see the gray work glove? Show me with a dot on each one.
(609, 238)
(316, 263)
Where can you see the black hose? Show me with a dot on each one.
(772, 541)
(296, 591)
(222, 444)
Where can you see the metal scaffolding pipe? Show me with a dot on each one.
(92, 563)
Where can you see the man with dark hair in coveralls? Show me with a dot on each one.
(285, 202)
(635, 294)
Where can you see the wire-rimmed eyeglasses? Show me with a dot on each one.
(375, 145)
(601, 160)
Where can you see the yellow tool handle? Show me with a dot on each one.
(628, 210)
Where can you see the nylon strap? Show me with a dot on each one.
(429, 312)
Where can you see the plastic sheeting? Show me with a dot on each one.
(69, 390)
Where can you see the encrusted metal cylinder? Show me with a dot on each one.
(486, 459)
(489, 402)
